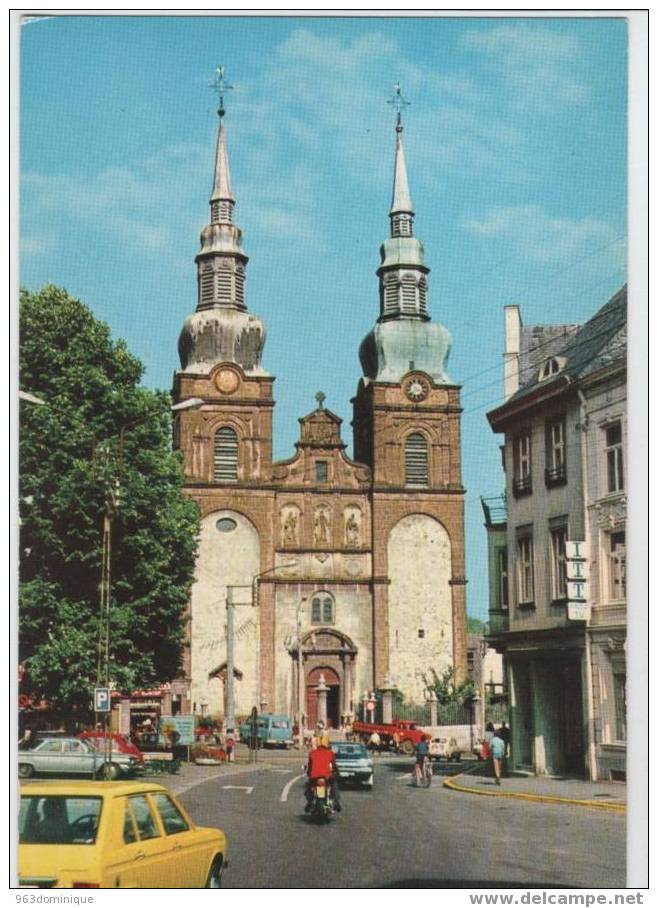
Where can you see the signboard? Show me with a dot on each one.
(575, 550)
(370, 706)
(102, 702)
(576, 556)
(176, 730)
(577, 590)
(578, 611)
(576, 570)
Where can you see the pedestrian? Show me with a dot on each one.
(375, 742)
(504, 733)
(230, 744)
(497, 754)
(396, 741)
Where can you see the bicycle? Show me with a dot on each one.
(423, 775)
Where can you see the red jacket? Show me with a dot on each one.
(321, 763)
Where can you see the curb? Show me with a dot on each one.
(542, 799)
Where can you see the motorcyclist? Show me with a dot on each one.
(322, 765)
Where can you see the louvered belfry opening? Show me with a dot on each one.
(226, 455)
(415, 460)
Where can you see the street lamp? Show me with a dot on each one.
(230, 641)
(112, 502)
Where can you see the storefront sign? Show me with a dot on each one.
(577, 553)
(176, 730)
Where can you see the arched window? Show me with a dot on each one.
(226, 455)
(322, 609)
(415, 460)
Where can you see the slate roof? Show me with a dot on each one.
(598, 343)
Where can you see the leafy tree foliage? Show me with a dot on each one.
(475, 626)
(70, 458)
(447, 690)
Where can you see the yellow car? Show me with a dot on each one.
(107, 835)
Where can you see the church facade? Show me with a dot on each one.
(350, 570)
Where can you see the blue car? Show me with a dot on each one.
(271, 731)
(354, 763)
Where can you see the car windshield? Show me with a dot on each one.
(350, 750)
(58, 820)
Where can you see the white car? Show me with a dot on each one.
(445, 748)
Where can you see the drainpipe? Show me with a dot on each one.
(589, 695)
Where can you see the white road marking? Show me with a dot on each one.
(247, 788)
(286, 772)
(284, 793)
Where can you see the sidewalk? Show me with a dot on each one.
(544, 789)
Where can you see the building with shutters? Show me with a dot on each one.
(564, 648)
(357, 564)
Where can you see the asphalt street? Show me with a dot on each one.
(398, 836)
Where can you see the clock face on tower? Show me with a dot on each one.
(416, 388)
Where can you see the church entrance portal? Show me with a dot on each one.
(332, 681)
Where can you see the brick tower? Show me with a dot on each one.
(407, 430)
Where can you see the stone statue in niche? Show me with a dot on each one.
(290, 529)
(352, 529)
(321, 527)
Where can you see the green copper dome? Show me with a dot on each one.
(398, 346)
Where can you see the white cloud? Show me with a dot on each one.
(38, 244)
(543, 238)
(538, 63)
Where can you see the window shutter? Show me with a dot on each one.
(226, 455)
(415, 460)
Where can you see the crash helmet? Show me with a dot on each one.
(324, 741)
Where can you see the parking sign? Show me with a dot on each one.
(102, 699)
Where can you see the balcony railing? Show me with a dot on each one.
(522, 485)
(555, 476)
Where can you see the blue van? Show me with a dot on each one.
(271, 731)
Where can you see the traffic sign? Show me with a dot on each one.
(102, 700)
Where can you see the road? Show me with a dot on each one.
(399, 836)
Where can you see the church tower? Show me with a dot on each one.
(407, 430)
(226, 442)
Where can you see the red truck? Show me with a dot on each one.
(409, 733)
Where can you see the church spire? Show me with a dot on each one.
(221, 329)
(402, 209)
(221, 200)
(404, 338)
(402, 273)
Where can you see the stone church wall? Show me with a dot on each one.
(420, 602)
(224, 558)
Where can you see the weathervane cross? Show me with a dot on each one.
(320, 397)
(398, 103)
(220, 85)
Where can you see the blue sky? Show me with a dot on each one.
(516, 149)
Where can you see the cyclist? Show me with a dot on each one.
(422, 754)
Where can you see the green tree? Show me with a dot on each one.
(475, 626)
(446, 690)
(69, 457)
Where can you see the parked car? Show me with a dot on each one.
(108, 835)
(120, 744)
(445, 749)
(71, 756)
(354, 763)
(271, 731)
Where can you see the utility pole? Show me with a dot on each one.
(230, 699)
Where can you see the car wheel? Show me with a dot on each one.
(109, 771)
(214, 880)
(25, 770)
(407, 747)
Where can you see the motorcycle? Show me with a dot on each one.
(322, 804)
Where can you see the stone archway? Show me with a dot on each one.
(332, 653)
